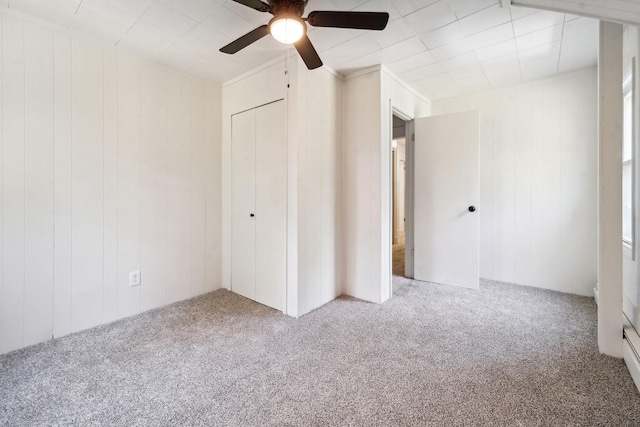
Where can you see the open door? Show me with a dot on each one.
(446, 194)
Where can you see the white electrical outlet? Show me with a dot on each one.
(134, 278)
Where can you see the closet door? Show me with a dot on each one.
(271, 203)
(243, 190)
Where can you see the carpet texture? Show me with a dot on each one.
(433, 355)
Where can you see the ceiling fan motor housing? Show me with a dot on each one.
(287, 7)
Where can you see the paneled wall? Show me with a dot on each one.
(369, 99)
(318, 134)
(538, 182)
(314, 202)
(109, 164)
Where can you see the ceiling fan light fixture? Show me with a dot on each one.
(287, 30)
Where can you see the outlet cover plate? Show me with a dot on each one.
(134, 278)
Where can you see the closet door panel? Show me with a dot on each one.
(243, 183)
(271, 202)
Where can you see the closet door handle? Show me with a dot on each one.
(251, 215)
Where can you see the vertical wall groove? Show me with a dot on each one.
(79, 167)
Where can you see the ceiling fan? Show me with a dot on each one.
(288, 26)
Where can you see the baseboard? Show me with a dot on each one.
(596, 295)
(630, 348)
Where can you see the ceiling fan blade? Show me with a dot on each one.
(246, 40)
(308, 53)
(255, 4)
(357, 20)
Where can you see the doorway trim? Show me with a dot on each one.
(408, 191)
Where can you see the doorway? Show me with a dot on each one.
(398, 191)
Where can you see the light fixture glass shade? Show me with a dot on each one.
(287, 30)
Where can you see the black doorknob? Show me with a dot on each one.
(251, 215)
(472, 208)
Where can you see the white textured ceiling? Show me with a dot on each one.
(443, 48)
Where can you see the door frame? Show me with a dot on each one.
(408, 190)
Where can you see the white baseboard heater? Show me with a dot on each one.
(630, 352)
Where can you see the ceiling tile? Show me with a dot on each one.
(431, 17)
(497, 50)
(473, 84)
(504, 77)
(395, 32)
(543, 67)
(206, 41)
(326, 38)
(443, 91)
(133, 8)
(536, 21)
(538, 38)
(147, 39)
(518, 12)
(376, 6)
(194, 9)
(464, 8)
(579, 41)
(451, 50)
(349, 51)
(349, 4)
(501, 63)
(321, 5)
(442, 36)
(461, 61)
(578, 58)
(107, 25)
(412, 62)
(168, 19)
(218, 68)
(580, 26)
(485, 19)
(429, 71)
(539, 52)
(56, 11)
(404, 49)
(406, 7)
(228, 23)
(250, 15)
(436, 81)
(466, 72)
(568, 17)
(492, 36)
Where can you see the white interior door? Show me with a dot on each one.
(243, 190)
(271, 203)
(446, 226)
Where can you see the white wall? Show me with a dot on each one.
(369, 98)
(318, 135)
(538, 182)
(631, 287)
(110, 164)
(314, 132)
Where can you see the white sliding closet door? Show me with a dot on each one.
(258, 258)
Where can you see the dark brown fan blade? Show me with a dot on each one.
(357, 20)
(255, 4)
(308, 53)
(246, 40)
